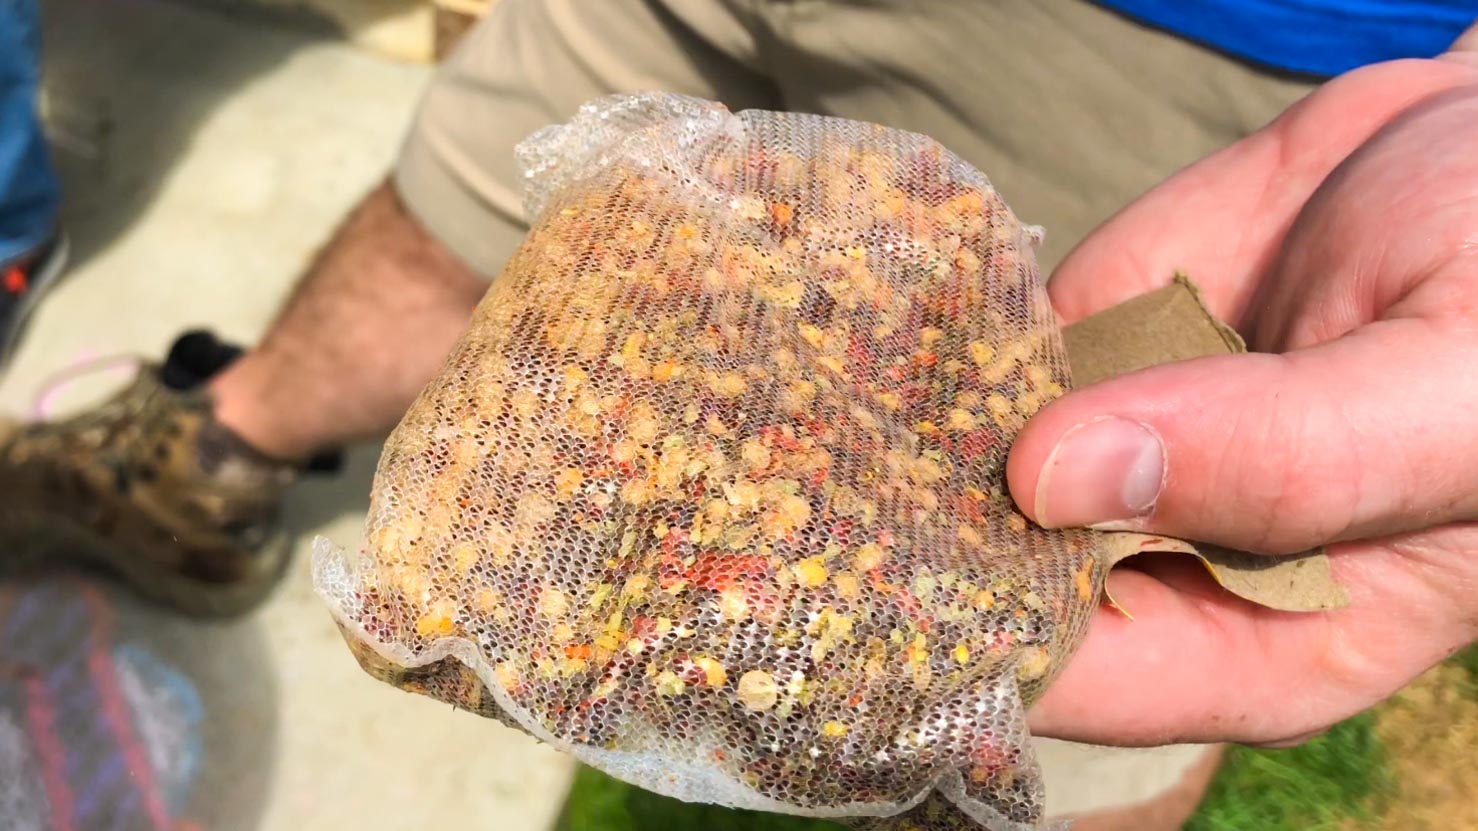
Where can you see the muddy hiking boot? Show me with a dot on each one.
(151, 487)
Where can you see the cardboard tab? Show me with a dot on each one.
(1173, 324)
(1165, 325)
(1295, 583)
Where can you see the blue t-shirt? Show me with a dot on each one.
(1319, 37)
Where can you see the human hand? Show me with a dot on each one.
(1343, 240)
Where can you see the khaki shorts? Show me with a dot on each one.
(1071, 110)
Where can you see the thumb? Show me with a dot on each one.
(1363, 436)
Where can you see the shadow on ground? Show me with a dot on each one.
(317, 501)
(115, 138)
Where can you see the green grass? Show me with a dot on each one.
(599, 803)
(1338, 781)
(1468, 660)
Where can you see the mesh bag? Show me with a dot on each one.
(711, 493)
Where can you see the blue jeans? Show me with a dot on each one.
(28, 186)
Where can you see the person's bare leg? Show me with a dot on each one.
(366, 328)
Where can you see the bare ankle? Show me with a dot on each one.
(366, 328)
(243, 403)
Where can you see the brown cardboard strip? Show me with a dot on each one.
(1165, 325)
(1173, 324)
(1295, 583)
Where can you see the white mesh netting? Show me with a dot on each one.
(711, 494)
